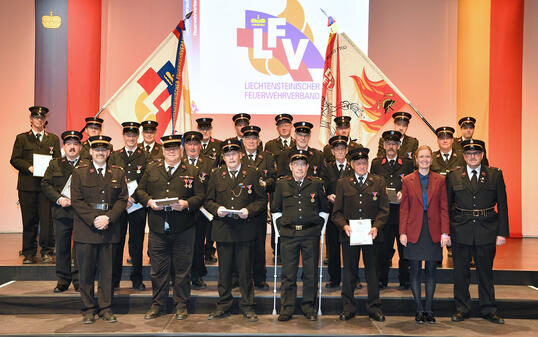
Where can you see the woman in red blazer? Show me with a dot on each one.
(424, 227)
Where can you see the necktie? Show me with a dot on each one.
(148, 148)
(129, 153)
(233, 173)
(299, 183)
(170, 171)
(100, 172)
(446, 157)
(204, 146)
(341, 169)
(251, 157)
(391, 162)
(73, 162)
(360, 181)
(285, 142)
(38, 136)
(193, 161)
(474, 179)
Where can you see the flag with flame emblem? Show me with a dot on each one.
(158, 90)
(354, 86)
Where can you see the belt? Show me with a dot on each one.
(167, 208)
(102, 206)
(302, 227)
(476, 212)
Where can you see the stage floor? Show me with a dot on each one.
(197, 325)
(517, 254)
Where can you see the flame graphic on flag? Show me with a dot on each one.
(378, 99)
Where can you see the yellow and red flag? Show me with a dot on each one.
(354, 86)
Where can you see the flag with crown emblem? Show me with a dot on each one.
(158, 90)
(354, 86)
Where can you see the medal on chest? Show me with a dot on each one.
(313, 197)
(202, 176)
(315, 169)
(51, 149)
(138, 167)
(188, 182)
(374, 196)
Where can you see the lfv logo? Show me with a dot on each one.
(275, 29)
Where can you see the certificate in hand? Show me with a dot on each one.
(360, 230)
(41, 162)
(131, 187)
(393, 195)
(166, 201)
(66, 192)
(233, 211)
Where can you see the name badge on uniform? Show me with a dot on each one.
(313, 197)
(375, 196)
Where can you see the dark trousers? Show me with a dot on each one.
(36, 212)
(333, 253)
(390, 233)
(351, 255)
(63, 230)
(292, 249)
(165, 249)
(136, 222)
(95, 259)
(198, 264)
(259, 271)
(483, 257)
(238, 255)
(209, 243)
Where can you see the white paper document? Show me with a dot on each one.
(360, 230)
(66, 192)
(131, 187)
(206, 213)
(233, 211)
(41, 162)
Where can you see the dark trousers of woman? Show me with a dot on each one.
(430, 282)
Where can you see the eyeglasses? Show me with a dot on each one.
(472, 153)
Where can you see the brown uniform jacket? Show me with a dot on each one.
(156, 153)
(407, 149)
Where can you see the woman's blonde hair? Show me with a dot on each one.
(423, 147)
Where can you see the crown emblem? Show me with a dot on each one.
(51, 21)
(257, 21)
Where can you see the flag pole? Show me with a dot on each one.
(421, 117)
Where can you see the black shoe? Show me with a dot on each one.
(76, 286)
(278, 260)
(493, 317)
(219, 314)
(311, 316)
(359, 285)
(88, 318)
(459, 316)
(332, 285)
(284, 317)
(261, 286)
(61, 287)
(419, 318)
(116, 285)
(138, 285)
(46, 258)
(109, 317)
(250, 316)
(428, 317)
(377, 316)
(181, 314)
(404, 286)
(346, 315)
(235, 284)
(382, 285)
(130, 260)
(198, 284)
(152, 313)
(325, 262)
(211, 259)
(28, 260)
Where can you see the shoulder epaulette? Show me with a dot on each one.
(116, 166)
(81, 165)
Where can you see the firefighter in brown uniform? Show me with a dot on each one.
(205, 165)
(133, 160)
(343, 128)
(94, 127)
(35, 207)
(336, 169)
(467, 126)
(234, 188)
(263, 163)
(241, 120)
(149, 145)
(276, 146)
(300, 199)
(53, 184)
(362, 196)
(98, 197)
(476, 228)
(210, 145)
(392, 169)
(316, 163)
(448, 157)
(408, 144)
(171, 235)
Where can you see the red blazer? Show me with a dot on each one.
(412, 207)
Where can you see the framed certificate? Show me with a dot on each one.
(360, 232)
